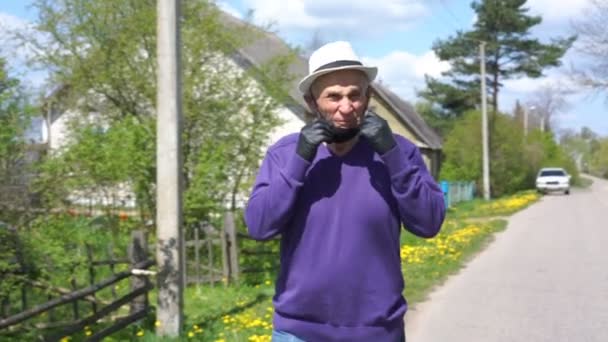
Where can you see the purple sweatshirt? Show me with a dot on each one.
(339, 218)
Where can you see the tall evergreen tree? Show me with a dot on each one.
(510, 52)
(519, 114)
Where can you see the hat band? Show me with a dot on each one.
(337, 64)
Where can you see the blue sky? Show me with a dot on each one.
(397, 35)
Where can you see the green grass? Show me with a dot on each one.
(504, 206)
(240, 312)
(207, 307)
(212, 314)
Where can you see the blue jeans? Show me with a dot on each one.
(282, 336)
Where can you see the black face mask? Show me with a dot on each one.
(340, 135)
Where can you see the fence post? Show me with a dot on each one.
(23, 297)
(445, 188)
(197, 259)
(225, 256)
(74, 303)
(112, 269)
(230, 231)
(211, 275)
(138, 252)
(5, 307)
(91, 274)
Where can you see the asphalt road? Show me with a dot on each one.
(545, 278)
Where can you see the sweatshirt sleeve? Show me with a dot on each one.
(274, 194)
(420, 200)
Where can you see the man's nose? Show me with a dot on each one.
(346, 106)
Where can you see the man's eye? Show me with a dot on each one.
(334, 97)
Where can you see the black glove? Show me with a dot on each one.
(377, 132)
(311, 136)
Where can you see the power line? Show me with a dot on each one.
(450, 12)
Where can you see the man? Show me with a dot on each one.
(338, 192)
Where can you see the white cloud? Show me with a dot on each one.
(10, 24)
(404, 72)
(11, 21)
(354, 16)
(557, 11)
(18, 54)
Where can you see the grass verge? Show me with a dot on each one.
(244, 312)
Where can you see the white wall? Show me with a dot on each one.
(292, 124)
(59, 131)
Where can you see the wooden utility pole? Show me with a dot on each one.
(169, 251)
(484, 123)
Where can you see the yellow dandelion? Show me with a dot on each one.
(140, 333)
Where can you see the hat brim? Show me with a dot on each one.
(307, 81)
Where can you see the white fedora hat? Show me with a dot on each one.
(331, 57)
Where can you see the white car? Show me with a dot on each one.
(553, 179)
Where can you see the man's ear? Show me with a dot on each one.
(311, 102)
(368, 96)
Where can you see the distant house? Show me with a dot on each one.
(400, 115)
(404, 120)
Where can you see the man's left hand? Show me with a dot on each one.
(376, 130)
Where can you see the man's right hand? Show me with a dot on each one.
(311, 136)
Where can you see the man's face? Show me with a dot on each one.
(341, 97)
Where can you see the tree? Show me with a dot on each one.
(587, 149)
(510, 52)
(515, 160)
(599, 160)
(452, 101)
(435, 117)
(519, 114)
(592, 70)
(315, 41)
(105, 51)
(548, 101)
(15, 118)
(578, 147)
(508, 166)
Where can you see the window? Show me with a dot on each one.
(550, 173)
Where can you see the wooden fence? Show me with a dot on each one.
(454, 192)
(99, 310)
(213, 254)
(203, 264)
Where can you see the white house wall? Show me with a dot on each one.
(60, 131)
(121, 195)
(291, 124)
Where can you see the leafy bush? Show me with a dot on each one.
(514, 159)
